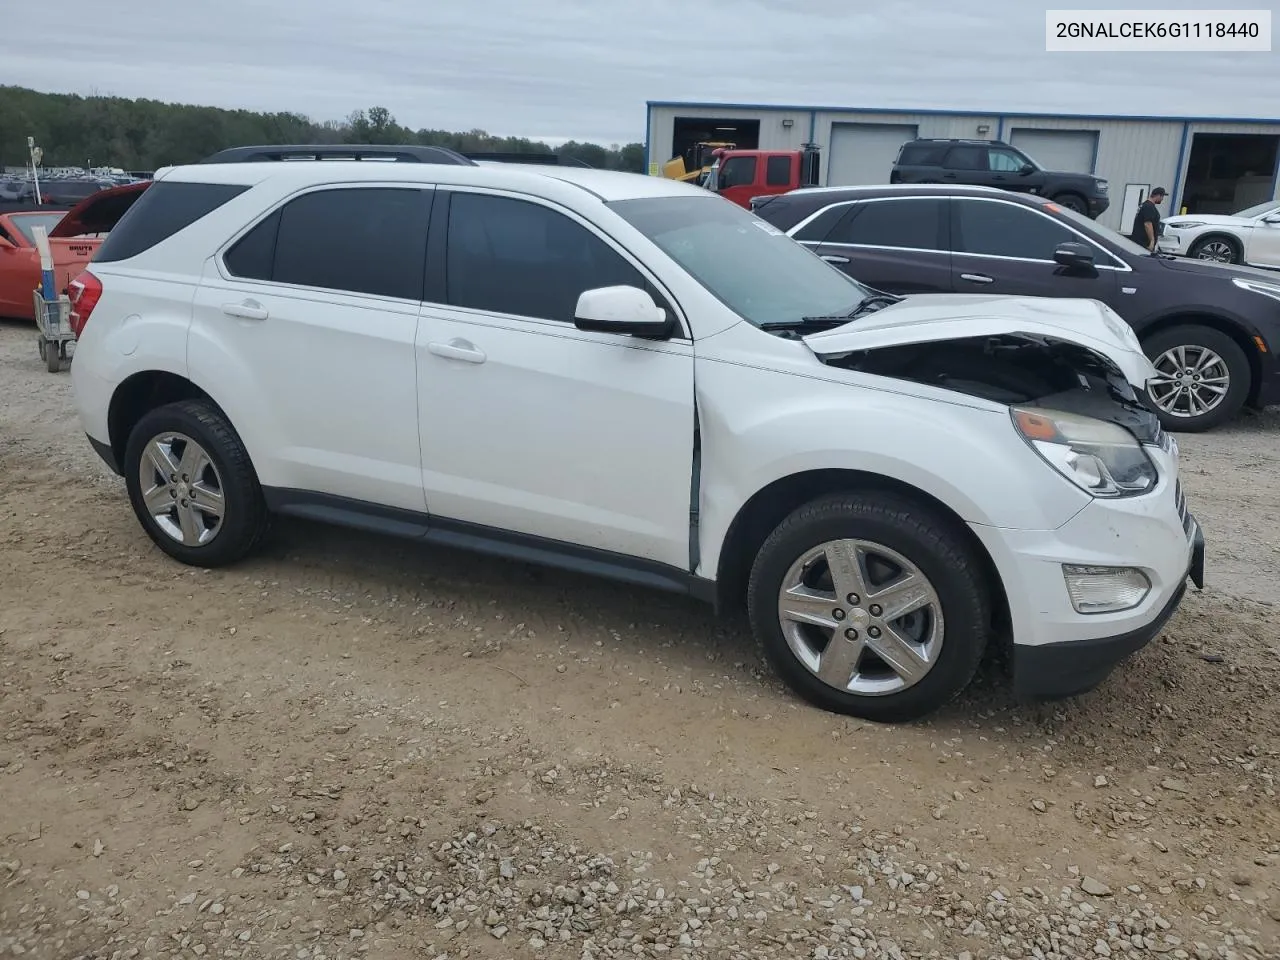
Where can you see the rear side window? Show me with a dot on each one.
(777, 172)
(816, 230)
(967, 158)
(358, 240)
(163, 209)
(922, 155)
(911, 224)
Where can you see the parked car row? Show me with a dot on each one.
(1211, 330)
(628, 376)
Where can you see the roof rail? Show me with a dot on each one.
(546, 159)
(407, 153)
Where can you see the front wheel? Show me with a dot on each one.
(192, 485)
(1072, 202)
(1216, 250)
(1203, 377)
(870, 605)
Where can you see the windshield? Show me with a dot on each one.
(1257, 210)
(1094, 229)
(750, 266)
(25, 221)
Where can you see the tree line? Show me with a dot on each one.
(77, 131)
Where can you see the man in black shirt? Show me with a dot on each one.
(1146, 225)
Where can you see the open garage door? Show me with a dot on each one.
(863, 153)
(1068, 151)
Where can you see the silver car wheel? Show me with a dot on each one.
(861, 617)
(1192, 381)
(1217, 250)
(181, 489)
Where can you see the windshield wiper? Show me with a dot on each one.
(875, 300)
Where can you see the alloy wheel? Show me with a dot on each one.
(861, 617)
(1218, 251)
(1192, 381)
(182, 489)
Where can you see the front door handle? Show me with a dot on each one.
(977, 278)
(245, 310)
(834, 259)
(458, 349)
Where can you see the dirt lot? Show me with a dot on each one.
(352, 747)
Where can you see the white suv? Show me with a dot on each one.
(629, 376)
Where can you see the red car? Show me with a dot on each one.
(74, 236)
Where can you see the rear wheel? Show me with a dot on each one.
(192, 485)
(1203, 377)
(1216, 249)
(870, 605)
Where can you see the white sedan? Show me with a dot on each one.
(1250, 236)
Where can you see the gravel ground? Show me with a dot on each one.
(353, 747)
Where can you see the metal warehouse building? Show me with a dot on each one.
(1209, 165)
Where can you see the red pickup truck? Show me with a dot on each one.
(739, 175)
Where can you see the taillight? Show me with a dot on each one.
(83, 292)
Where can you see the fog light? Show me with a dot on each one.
(1105, 589)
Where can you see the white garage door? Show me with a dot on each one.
(1069, 151)
(863, 153)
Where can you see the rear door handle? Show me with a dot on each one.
(245, 310)
(833, 259)
(457, 349)
(977, 278)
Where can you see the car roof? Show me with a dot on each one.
(894, 189)
(605, 185)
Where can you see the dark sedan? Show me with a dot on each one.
(1210, 329)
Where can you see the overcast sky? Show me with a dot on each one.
(583, 69)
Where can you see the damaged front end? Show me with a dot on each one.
(1018, 370)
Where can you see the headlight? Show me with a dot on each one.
(1102, 186)
(1101, 458)
(1183, 224)
(1258, 286)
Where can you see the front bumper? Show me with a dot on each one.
(1173, 242)
(1058, 651)
(1066, 669)
(1098, 206)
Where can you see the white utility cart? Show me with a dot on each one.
(53, 323)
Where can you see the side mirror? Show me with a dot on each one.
(621, 309)
(1027, 169)
(1074, 255)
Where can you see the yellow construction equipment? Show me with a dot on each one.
(702, 155)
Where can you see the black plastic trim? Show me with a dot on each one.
(1058, 670)
(410, 524)
(108, 455)
(330, 151)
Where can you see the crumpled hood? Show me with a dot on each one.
(932, 317)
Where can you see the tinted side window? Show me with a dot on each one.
(360, 240)
(163, 209)
(1006, 230)
(777, 171)
(816, 230)
(921, 154)
(738, 171)
(967, 158)
(521, 258)
(253, 256)
(910, 223)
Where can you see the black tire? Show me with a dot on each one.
(1073, 201)
(1238, 369)
(1237, 255)
(52, 356)
(933, 543)
(245, 520)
